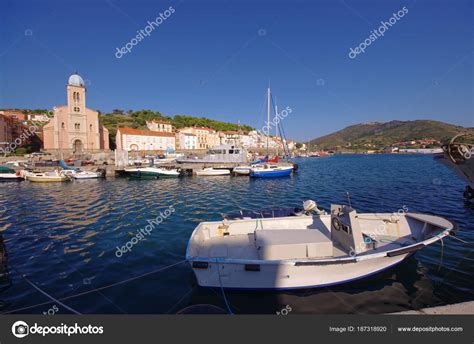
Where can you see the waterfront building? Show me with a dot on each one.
(74, 127)
(6, 131)
(15, 115)
(141, 140)
(160, 126)
(38, 117)
(186, 140)
(206, 137)
(229, 137)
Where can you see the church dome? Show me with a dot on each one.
(75, 80)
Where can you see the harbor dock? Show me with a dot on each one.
(456, 308)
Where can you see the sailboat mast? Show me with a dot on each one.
(276, 127)
(268, 117)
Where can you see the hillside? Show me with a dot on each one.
(137, 120)
(380, 134)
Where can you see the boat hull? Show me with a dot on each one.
(40, 179)
(10, 177)
(275, 276)
(87, 176)
(271, 173)
(151, 173)
(213, 173)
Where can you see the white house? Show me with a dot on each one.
(140, 140)
(186, 140)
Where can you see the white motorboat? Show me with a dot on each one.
(45, 177)
(212, 172)
(8, 175)
(307, 251)
(242, 170)
(88, 175)
(151, 172)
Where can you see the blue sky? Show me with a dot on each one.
(216, 58)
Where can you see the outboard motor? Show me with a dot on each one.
(310, 206)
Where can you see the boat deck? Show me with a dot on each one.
(239, 247)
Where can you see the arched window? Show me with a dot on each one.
(62, 125)
(90, 127)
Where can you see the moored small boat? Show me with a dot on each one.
(307, 251)
(8, 175)
(46, 177)
(270, 171)
(151, 172)
(88, 174)
(212, 172)
(242, 170)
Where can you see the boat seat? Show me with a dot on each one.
(292, 244)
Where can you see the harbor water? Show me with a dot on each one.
(111, 246)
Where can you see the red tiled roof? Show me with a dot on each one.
(131, 131)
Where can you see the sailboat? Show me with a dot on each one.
(270, 170)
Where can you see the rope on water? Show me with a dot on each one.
(442, 253)
(96, 289)
(229, 310)
(46, 294)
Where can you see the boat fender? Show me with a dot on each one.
(252, 267)
(200, 265)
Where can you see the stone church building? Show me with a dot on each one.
(75, 128)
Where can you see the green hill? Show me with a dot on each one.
(379, 134)
(137, 120)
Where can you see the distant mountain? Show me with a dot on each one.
(383, 134)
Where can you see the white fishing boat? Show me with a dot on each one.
(212, 172)
(307, 251)
(242, 170)
(45, 177)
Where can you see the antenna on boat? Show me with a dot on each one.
(348, 198)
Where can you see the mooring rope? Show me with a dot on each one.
(229, 310)
(95, 289)
(46, 294)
